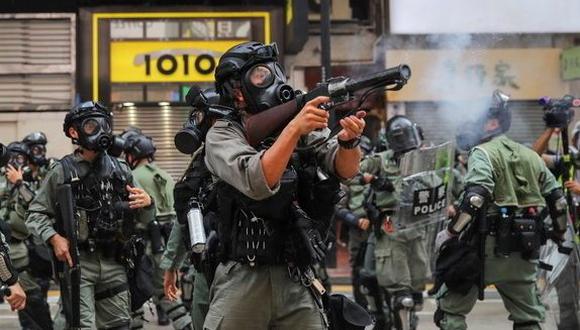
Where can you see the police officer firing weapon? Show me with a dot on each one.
(91, 198)
(268, 242)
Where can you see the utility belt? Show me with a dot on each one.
(517, 233)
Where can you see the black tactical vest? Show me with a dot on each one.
(100, 194)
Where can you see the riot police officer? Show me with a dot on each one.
(9, 278)
(108, 209)
(140, 155)
(41, 267)
(268, 242)
(193, 190)
(16, 196)
(496, 234)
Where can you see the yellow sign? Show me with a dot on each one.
(166, 61)
(449, 75)
(98, 18)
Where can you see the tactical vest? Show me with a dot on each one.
(265, 232)
(517, 172)
(101, 199)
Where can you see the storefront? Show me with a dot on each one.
(143, 63)
(448, 85)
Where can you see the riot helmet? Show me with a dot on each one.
(402, 134)
(118, 144)
(473, 132)
(254, 68)
(93, 123)
(19, 154)
(36, 143)
(139, 147)
(4, 155)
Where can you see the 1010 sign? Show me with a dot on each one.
(168, 64)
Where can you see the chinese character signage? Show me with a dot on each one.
(450, 75)
(571, 63)
(427, 201)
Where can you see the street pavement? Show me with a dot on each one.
(487, 315)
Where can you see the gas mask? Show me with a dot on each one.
(95, 133)
(264, 86)
(38, 154)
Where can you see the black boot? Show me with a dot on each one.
(162, 318)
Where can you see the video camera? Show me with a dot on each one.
(558, 113)
(4, 155)
(205, 110)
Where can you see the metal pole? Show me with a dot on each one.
(325, 68)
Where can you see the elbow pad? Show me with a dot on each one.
(474, 201)
(8, 274)
(558, 207)
(347, 217)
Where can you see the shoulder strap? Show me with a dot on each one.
(70, 169)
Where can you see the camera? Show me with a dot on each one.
(4, 155)
(558, 113)
(205, 110)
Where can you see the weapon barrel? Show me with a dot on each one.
(390, 76)
(68, 225)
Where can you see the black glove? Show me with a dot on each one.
(558, 118)
(382, 184)
(310, 236)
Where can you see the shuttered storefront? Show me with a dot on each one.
(161, 123)
(37, 61)
(526, 127)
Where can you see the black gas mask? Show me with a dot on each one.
(205, 110)
(95, 133)
(38, 154)
(264, 87)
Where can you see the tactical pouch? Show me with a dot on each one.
(458, 266)
(527, 236)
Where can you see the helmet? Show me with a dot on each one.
(19, 154)
(500, 110)
(139, 146)
(118, 144)
(402, 134)
(262, 79)
(35, 138)
(472, 133)
(93, 122)
(36, 142)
